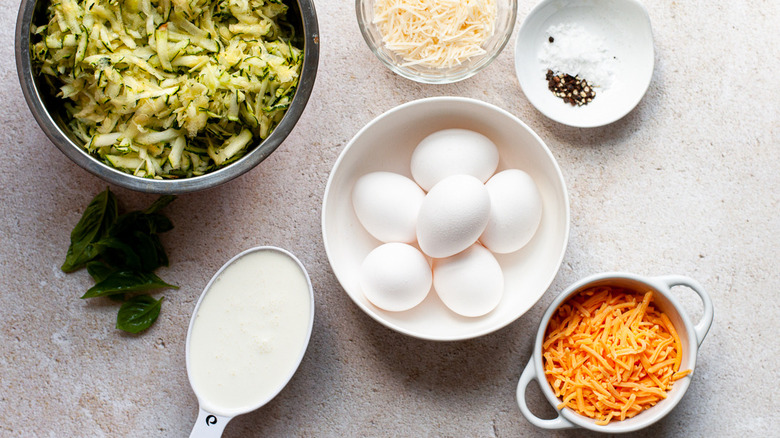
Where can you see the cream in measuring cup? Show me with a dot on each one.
(248, 334)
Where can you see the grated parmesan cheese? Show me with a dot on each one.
(435, 33)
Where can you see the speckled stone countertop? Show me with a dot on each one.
(687, 183)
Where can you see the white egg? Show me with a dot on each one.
(395, 277)
(453, 152)
(470, 283)
(515, 211)
(387, 205)
(452, 216)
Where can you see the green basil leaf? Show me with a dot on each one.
(159, 204)
(120, 253)
(146, 249)
(79, 255)
(138, 313)
(94, 224)
(162, 257)
(157, 223)
(126, 223)
(126, 281)
(137, 252)
(133, 221)
(99, 270)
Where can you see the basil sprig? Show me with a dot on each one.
(120, 253)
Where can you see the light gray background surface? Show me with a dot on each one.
(687, 183)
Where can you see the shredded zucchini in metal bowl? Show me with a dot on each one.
(169, 88)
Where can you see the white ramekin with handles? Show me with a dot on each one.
(691, 336)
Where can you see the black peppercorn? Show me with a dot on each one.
(572, 89)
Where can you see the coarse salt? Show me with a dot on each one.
(577, 52)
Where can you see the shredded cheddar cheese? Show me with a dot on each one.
(435, 33)
(609, 354)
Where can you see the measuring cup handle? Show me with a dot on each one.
(704, 325)
(208, 425)
(529, 373)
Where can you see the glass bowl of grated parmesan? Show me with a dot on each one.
(436, 41)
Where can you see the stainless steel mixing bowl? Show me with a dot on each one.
(50, 115)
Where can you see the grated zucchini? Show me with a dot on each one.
(168, 88)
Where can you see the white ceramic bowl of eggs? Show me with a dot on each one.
(445, 218)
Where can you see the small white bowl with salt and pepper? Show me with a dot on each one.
(585, 63)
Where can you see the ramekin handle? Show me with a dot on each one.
(529, 373)
(704, 325)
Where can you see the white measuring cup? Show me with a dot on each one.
(214, 412)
